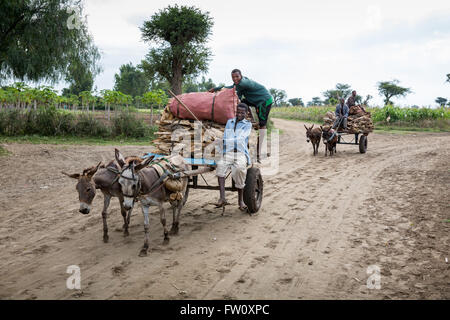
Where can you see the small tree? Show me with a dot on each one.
(391, 89)
(279, 96)
(448, 78)
(86, 99)
(296, 102)
(315, 102)
(181, 33)
(368, 98)
(154, 98)
(342, 91)
(441, 101)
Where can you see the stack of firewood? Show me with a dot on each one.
(359, 121)
(176, 134)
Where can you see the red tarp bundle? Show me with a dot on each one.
(218, 107)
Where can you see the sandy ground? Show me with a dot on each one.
(324, 221)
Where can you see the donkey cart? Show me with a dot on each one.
(253, 191)
(358, 139)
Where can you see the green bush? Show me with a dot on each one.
(127, 125)
(56, 122)
(87, 125)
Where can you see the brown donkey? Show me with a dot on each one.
(138, 181)
(314, 136)
(105, 179)
(330, 139)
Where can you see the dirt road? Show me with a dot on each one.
(324, 221)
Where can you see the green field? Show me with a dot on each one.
(402, 119)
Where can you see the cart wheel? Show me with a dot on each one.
(363, 144)
(253, 191)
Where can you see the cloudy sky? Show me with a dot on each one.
(303, 47)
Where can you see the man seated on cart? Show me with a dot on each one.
(236, 156)
(342, 111)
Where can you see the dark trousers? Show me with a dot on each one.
(263, 112)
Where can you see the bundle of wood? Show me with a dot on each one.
(176, 134)
(359, 121)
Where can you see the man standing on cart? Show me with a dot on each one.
(236, 156)
(255, 95)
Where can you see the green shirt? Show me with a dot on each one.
(254, 92)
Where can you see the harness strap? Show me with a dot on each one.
(332, 137)
(158, 182)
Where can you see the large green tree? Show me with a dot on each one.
(131, 80)
(391, 89)
(180, 34)
(79, 77)
(41, 39)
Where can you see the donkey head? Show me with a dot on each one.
(327, 133)
(309, 133)
(85, 187)
(129, 180)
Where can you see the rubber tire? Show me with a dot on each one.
(253, 182)
(363, 144)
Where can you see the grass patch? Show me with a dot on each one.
(37, 139)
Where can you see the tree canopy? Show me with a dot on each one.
(391, 89)
(441, 101)
(296, 102)
(180, 34)
(39, 40)
(341, 91)
(131, 80)
(279, 96)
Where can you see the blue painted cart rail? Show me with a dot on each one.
(191, 161)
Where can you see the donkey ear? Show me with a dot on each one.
(312, 127)
(119, 158)
(321, 128)
(144, 164)
(73, 176)
(306, 127)
(93, 170)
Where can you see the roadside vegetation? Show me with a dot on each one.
(386, 118)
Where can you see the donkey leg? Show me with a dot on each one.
(129, 216)
(145, 210)
(162, 213)
(176, 218)
(174, 229)
(123, 211)
(106, 201)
